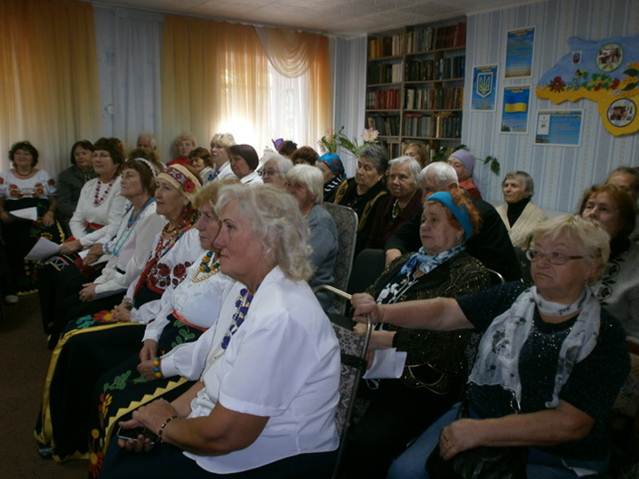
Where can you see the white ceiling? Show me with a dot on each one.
(337, 17)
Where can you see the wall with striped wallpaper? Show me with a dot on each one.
(560, 173)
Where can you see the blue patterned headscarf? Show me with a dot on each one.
(333, 161)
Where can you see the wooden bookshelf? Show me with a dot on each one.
(415, 84)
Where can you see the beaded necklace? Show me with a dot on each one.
(97, 200)
(241, 308)
(131, 221)
(396, 209)
(208, 267)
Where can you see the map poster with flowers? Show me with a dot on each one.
(604, 71)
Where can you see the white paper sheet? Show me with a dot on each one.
(26, 213)
(42, 250)
(387, 364)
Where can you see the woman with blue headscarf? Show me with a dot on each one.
(333, 171)
(435, 366)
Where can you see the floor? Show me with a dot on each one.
(24, 357)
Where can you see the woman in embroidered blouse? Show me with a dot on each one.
(402, 204)
(106, 338)
(244, 163)
(333, 171)
(549, 364)
(71, 181)
(67, 292)
(363, 192)
(436, 363)
(519, 214)
(100, 207)
(247, 415)
(25, 186)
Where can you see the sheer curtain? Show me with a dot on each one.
(348, 58)
(48, 77)
(217, 77)
(128, 45)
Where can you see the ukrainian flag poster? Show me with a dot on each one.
(515, 106)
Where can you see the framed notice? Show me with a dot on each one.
(515, 106)
(519, 52)
(558, 127)
(484, 94)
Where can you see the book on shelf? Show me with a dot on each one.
(386, 46)
(431, 125)
(428, 38)
(445, 68)
(387, 125)
(434, 98)
(385, 73)
(383, 99)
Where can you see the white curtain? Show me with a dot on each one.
(348, 62)
(128, 44)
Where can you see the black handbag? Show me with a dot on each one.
(479, 463)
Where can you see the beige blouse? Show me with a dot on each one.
(528, 220)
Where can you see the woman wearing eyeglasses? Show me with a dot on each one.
(549, 365)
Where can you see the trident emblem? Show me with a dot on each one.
(484, 84)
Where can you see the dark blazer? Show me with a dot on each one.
(384, 226)
(70, 182)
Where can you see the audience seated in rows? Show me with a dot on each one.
(546, 411)
(519, 214)
(106, 338)
(491, 245)
(185, 312)
(71, 286)
(247, 415)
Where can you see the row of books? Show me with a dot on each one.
(383, 99)
(387, 46)
(429, 98)
(419, 39)
(387, 125)
(444, 68)
(385, 73)
(432, 126)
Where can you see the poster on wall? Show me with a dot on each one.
(484, 93)
(519, 52)
(604, 71)
(558, 127)
(515, 106)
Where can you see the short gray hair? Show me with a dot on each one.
(589, 236)
(377, 155)
(413, 164)
(282, 163)
(525, 178)
(310, 177)
(444, 174)
(276, 222)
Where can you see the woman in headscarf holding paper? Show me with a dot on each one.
(435, 363)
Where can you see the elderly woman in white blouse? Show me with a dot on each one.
(264, 404)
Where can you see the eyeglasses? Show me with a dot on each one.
(553, 258)
(266, 173)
